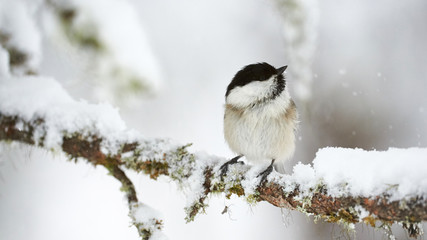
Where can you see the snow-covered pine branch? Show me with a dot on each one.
(48, 117)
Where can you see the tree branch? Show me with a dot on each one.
(201, 174)
(76, 146)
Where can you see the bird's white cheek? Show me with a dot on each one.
(250, 93)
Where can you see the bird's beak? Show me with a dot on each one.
(280, 70)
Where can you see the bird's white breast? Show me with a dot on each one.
(262, 133)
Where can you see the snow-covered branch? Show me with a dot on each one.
(120, 54)
(19, 36)
(96, 133)
(77, 146)
(48, 117)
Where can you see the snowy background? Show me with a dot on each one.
(369, 91)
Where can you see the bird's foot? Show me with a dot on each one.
(224, 167)
(264, 174)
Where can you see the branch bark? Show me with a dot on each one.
(201, 173)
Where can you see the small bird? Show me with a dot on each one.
(260, 117)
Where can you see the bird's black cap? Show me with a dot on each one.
(255, 72)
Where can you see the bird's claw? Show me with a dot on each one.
(264, 174)
(224, 167)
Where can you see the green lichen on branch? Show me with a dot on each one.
(151, 168)
(199, 206)
(177, 163)
(148, 225)
(145, 232)
(195, 209)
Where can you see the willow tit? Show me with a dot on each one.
(260, 117)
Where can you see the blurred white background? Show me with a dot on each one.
(369, 91)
